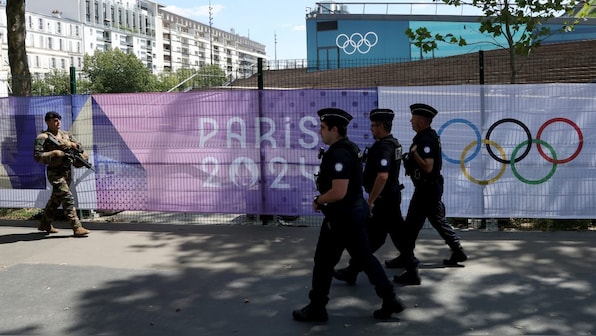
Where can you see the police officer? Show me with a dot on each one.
(59, 173)
(423, 164)
(381, 182)
(341, 200)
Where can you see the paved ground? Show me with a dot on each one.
(184, 279)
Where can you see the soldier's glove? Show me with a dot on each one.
(67, 144)
(56, 153)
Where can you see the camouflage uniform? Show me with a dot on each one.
(59, 173)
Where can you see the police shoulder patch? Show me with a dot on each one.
(339, 167)
(426, 149)
(384, 163)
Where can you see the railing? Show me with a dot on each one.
(393, 8)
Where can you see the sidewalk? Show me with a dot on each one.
(172, 279)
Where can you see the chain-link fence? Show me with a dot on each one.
(553, 63)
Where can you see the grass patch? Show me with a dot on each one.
(19, 214)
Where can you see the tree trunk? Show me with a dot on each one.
(17, 54)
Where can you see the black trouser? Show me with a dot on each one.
(386, 219)
(426, 203)
(346, 230)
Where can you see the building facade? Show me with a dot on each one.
(341, 35)
(192, 44)
(61, 33)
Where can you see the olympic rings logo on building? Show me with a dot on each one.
(526, 145)
(356, 42)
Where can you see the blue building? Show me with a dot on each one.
(344, 35)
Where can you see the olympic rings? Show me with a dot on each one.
(463, 166)
(523, 126)
(514, 158)
(579, 134)
(476, 131)
(552, 171)
(355, 42)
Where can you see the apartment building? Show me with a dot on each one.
(190, 44)
(60, 33)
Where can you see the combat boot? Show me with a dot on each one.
(347, 275)
(457, 255)
(49, 228)
(311, 313)
(389, 306)
(80, 231)
(397, 262)
(408, 278)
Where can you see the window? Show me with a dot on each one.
(63, 63)
(58, 28)
(53, 63)
(326, 25)
(40, 25)
(50, 46)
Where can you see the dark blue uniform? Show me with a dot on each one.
(426, 201)
(344, 225)
(384, 156)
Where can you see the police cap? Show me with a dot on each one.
(423, 110)
(52, 115)
(335, 115)
(381, 115)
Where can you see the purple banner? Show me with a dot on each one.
(237, 151)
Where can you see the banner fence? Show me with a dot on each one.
(510, 151)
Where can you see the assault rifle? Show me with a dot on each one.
(72, 153)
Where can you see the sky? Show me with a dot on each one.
(281, 24)
(263, 21)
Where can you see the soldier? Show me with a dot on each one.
(59, 173)
(344, 226)
(423, 164)
(381, 182)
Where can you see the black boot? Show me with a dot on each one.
(457, 255)
(397, 262)
(311, 313)
(346, 274)
(390, 306)
(408, 278)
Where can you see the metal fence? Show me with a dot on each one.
(573, 62)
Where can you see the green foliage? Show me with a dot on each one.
(191, 79)
(57, 83)
(424, 40)
(519, 22)
(550, 224)
(113, 71)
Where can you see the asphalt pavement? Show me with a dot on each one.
(239, 279)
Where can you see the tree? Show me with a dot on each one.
(185, 79)
(210, 76)
(17, 54)
(520, 22)
(113, 71)
(57, 83)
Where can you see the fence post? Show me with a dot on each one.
(260, 73)
(73, 80)
(481, 66)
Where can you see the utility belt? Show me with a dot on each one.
(390, 194)
(342, 208)
(423, 181)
